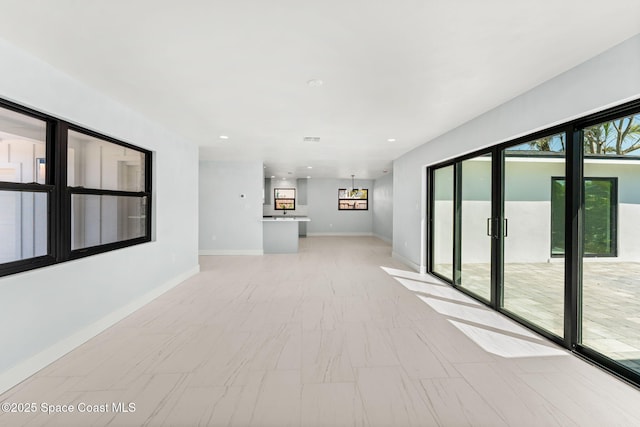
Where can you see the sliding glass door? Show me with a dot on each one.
(507, 234)
(534, 206)
(442, 228)
(546, 229)
(476, 225)
(610, 322)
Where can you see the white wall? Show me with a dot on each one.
(230, 223)
(604, 81)
(383, 207)
(323, 211)
(528, 208)
(49, 311)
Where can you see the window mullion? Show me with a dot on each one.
(62, 196)
(574, 204)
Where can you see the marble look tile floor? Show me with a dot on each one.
(339, 334)
(611, 301)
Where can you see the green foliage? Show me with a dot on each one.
(553, 143)
(597, 216)
(618, 137)
(558, 191)
(598, 219)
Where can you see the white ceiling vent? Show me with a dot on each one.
(311, 139)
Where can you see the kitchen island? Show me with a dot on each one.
(280, 234)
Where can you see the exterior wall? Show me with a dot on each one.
(443, 220)
(528, 210)
(606, 80)
(52, 310)
(476, 208)
(443, 234)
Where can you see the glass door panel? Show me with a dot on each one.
(442, 253)
(534, 206)
(476, 226)
(611, 241)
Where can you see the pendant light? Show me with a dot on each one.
(353, 191)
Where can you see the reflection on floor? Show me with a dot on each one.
(611, 301)
(324, 337)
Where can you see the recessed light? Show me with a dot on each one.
(391, 140)
(315, 82)
(309, 167)
(223, 137)
(273, 176)
(308, 176)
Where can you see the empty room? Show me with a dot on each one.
(338, 213)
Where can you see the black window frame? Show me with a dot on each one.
(574, 223)
(341, 200)
(59, 195)
(284, 199)
(430, 229)
(71, 191)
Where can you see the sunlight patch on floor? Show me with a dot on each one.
(409, 275)
(505, 345)
(441, 291)
(490, 330)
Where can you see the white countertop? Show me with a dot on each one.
(286, 219)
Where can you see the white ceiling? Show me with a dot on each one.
(404, 69)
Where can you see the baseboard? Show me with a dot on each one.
(346, 233)
(25, 369)
(407, 262)
(205, 252)
(383, 238)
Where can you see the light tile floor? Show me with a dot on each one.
(339, 334)
(611, 301)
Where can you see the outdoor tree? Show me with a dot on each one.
(619, 137)
(549, 143)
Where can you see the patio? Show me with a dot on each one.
(611, 303)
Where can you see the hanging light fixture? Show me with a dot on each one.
(353, 191)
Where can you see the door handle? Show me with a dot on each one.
(490, 227)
